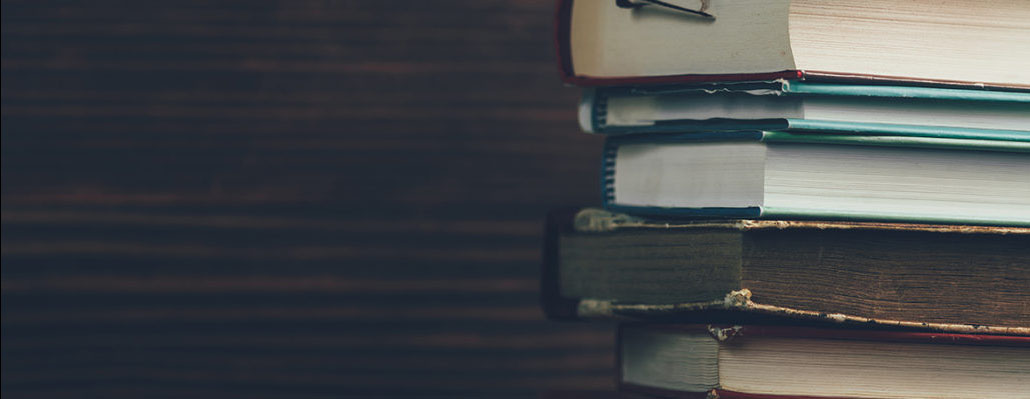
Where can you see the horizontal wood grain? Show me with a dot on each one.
(286, 198)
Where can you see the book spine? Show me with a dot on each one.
(611, 149)
(609, 158)
(555, 306)
(593, 109)
(563, 53)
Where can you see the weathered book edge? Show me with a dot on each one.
(741, 301)
(594, 220)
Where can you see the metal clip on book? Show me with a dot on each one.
(635, 4)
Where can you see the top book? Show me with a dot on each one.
(943, 42)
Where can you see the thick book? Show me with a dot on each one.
(706, 361)
(969, 279)
(899, 176)
(805, 106)
(628, 42)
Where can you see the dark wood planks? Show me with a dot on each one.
(299, 198)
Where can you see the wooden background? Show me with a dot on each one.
(286, 198)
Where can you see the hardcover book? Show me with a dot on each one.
(806, 106)
(941, 42)
(901, 177)
(763, 362)
(969, 279)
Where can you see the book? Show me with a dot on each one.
(783, 175)
(968, 279)
(941, 42)
(774, 361)
(805, 106)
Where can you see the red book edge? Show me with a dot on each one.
(563, 54)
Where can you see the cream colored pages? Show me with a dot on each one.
(959, 40)
(874, 369)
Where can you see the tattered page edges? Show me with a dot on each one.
(740, 301)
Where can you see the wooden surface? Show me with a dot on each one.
(286, 198)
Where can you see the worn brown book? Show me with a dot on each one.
(970, 279)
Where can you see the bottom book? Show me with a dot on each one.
(774, 361)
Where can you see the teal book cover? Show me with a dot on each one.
(809, 107)
(868, 142)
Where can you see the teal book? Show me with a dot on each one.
(790, 175)
(798, 106)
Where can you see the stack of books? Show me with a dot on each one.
(807, 198)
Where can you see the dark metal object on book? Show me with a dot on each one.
(635, 4)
